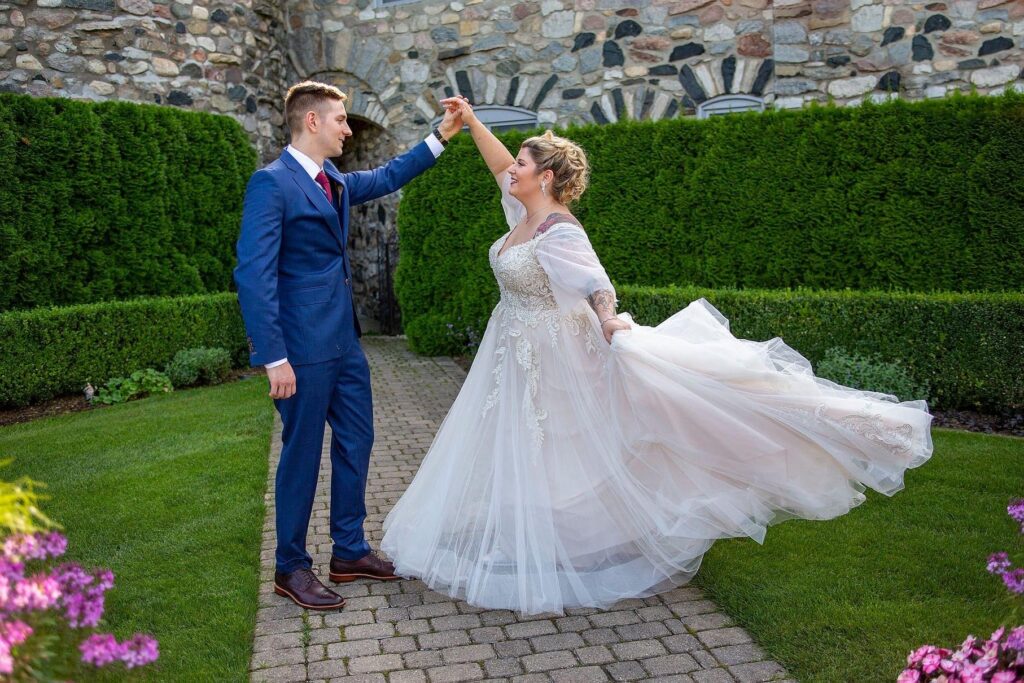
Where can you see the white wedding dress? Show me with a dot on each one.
(570, 472)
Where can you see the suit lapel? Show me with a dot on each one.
(315, 194)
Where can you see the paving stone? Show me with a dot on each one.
(359, 665)
(595, 654)
(738, 654)
(638, 649)
(720, 675)
(581, 674)
(456, 673)
(280, 674)
(442, 639)
(559, 641)
(757, 671)
(625, 671)
(549, 660)
(530, 628)
(468, 653)
(723, 636)
(670, 664)
(504, 666)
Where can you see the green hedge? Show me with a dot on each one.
(968, 347)
(50, 351)
(922, 196)
(115, 200)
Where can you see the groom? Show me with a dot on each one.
(295, 291)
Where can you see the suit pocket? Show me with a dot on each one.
(305, 296)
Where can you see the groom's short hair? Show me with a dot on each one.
(307, 96)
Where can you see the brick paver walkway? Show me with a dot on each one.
(402, 632)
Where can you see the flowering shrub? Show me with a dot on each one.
(44, 614)
(999, 659)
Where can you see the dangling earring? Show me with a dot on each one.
(543, 187)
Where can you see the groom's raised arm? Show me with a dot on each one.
(364, 186)
(256, 273)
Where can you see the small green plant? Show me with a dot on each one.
(200, 365)
(140, 383)
(871, 373)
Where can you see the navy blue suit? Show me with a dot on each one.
(295, 291)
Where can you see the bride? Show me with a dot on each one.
(588, 458)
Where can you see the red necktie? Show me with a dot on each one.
(321, 178)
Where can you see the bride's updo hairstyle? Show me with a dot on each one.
(567, 161)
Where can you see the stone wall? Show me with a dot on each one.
(207, 55)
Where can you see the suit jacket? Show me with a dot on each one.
(293, 275)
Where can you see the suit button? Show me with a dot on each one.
(346, 281)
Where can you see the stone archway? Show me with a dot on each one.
(373, 232)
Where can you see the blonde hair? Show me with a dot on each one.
(307, 96)
(567, 161)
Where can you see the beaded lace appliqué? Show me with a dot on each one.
(872, 427)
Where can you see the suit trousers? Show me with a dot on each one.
(338, 392)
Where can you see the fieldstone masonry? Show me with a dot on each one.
(402, 632)
(564, 61)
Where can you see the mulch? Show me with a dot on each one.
(73, 403)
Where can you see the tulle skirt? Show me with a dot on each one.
(570, 472)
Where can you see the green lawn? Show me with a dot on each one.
(168, 493)
(847, 599)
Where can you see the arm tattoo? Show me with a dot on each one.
(603, 303)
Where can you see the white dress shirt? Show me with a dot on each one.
(313, 170)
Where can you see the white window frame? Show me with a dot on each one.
(729, 104)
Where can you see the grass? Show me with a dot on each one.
(168, 493)
(847, 599)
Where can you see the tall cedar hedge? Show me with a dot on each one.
(116, 200)
(923, 196)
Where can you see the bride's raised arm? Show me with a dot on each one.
(495, 155)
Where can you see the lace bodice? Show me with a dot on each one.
(522, 281)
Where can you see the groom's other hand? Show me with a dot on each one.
(282, 380)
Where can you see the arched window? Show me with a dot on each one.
(499, 118)
(729, 104)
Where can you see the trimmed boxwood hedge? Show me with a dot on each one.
(918, 196)
(112, 200)
(50, 351)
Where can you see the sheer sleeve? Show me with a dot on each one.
(514, 209)
(576, 275)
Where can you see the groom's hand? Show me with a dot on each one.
(282, 380)
(452, 122)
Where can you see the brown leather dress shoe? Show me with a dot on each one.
(369, 566)
(304, 587)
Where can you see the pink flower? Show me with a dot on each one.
(6, 660)
(100, 649)
(16, 632)
(37, 592)
(972, 674)
(998, 563)
(1014, 580)
(909, 676)
(1004, 677)
(930, 663)
(1016, 511)
(1015, 641)
(140, 650)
